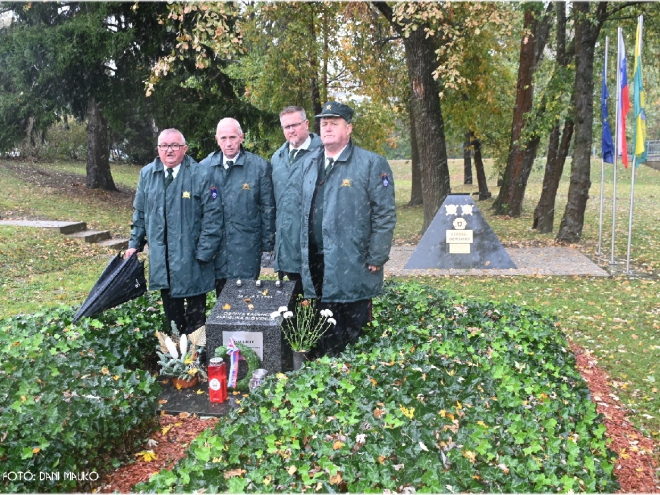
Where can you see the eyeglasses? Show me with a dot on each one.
(175, 146)
(292, 126)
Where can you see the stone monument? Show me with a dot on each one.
(459, 237)
(242, 312)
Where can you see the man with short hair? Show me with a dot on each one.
(287, 182)
(245, 185)
(348, 225)
(176, 213)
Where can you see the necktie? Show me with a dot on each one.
(292, 155)
(328, 165)
(228, 164)
(169, 178)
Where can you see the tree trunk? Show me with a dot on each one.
(317, 105)
(481, 172)
(416, 191)
(509, 199)
(98, 151)
(467, 160)
(544, 214)
(428, 121)
(586, 34)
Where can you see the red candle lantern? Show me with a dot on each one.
(217, 380)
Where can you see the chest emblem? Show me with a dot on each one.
(246, 187)
(185, 195)
(214, 192)
(346, 183)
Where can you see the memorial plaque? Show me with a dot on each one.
(243, 312)
(459, 237)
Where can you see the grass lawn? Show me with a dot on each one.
(617, 319)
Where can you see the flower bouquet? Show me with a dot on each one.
(304, 329)
(179, 356)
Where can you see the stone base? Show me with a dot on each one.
(173, 401)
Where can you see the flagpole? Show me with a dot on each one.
(602, 167)
(630, 219)
(616, 144)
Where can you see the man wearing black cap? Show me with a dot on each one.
(348, 224)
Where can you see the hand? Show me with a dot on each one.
(129, 252)
(373, 269)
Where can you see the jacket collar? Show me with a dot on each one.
(283, 151)
(157, 165)
(218, 158)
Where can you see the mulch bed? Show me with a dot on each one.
(635, 468)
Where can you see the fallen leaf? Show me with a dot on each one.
(226, 307)
(336, 479)
(423, 447)
(147, 455)
(292, 469)
(233, 472)
(337, 445)
(378, 413)
(381, 459)
(162, 401)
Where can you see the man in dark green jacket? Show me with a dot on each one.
(287, 184)
(348, 224)
(245, 185)
(176, 213)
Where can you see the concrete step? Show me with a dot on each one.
(115, 243)
(92, 236)
(61, 227)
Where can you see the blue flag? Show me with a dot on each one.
(606, 138)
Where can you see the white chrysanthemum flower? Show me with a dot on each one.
(332, 321)
(326, 312)
(183, 343)
(282, 309)
(171, 347)
(275, 314)
(288, 314)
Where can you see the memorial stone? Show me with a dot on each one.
(242, 312)
(459, 237)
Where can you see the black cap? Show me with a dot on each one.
(336, 109)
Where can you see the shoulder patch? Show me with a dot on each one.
(385, 179)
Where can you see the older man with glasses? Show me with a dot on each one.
(287, 184)
(176, 214)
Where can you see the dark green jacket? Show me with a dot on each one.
(287, 183)
(193, 230)
(249, 213)
(358, 223)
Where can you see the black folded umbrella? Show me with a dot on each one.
(121, 281)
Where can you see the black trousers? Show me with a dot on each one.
(188, 313)
(297, 288)
(351, 317)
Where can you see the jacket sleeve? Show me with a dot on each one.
(138, 227)
(212, 218)
(383, 213)
(267, 203)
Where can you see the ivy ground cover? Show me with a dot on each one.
(74, 398)
(441, 395)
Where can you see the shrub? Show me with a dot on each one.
(442, 395)
(73, 396)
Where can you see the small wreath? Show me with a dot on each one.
(250, 357)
